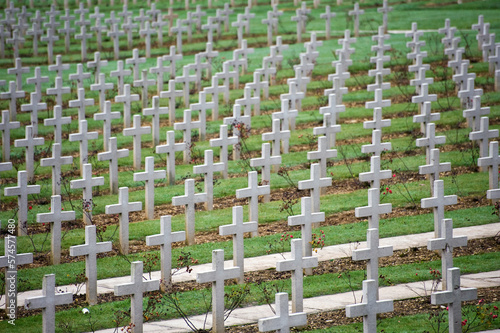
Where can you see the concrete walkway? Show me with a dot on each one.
(269, 261)
(250, 315)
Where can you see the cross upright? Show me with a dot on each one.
(385, 10)
(83, 136)
(58, 90)
(55, 217)
(430, 141)
(434, 167)
(252, 192)
(123, 208)
(186, 126)
(322, 154)
(491, 161)
(81, 103)
(338, 90)
(479, 26)
(17, 40)
(5, 127)
(97, 64)
(79, 77)
(137, 131)
(115, 35)
(101, 87)
(179, 29)
(437, 202)
(376, 147)
(22, 190)
(202, 107)
(467, 95)
(90, 250)
(208, 169)
(483, 135)
(86, 184)
(56, 161)
(37, 81)
(98, 27)
(83, 36)
(238, 229)
(370, 306)
(189, 200)
(144, 83)
(426, 117)
(171, 94)
(327, 16)
(106, 116)
(283, 321)
(377, 123)
(453, 296)
(48, 302)
(33, 108)
(356, 12)
(18, 70)
(329, 129)
(278, 137)
(294, 96)
(160, 71)
(126, 98)
(307, 221)
(341, 74)
(155, 111)
(374, 208)
(224, 141)
(149, 176)
(30, 141)
(146, 33)
(170, 18)
(375, 175)
(257, 85)
(112, 154)
(136, 287)
(120, 73)
(462, 77)
(185, 79)
(135, 61)
(286, 114)
(296, 265)
(266, 162)
(158, 25)
(270, 21)
(315, 185)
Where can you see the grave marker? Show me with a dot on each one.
(224, 142)
(81, 103)
(86, 184)
(315, 185)
(307, 221)
(170, 148)
(437, 202)
(126, 98)
(30, 141)
(252, 192)
(58, 90)
(283, 321)
(137, 131)
(374, 209)
(83, 136)
(5, 127)
(279, 138)
(208, 170)
(434, 167)
(322, 154)
(483, 135)
(56, 161)
(112, 155)
(149, 176)
(101, 87)
(356, 12)
(266, 162)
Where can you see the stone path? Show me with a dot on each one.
(269, 261)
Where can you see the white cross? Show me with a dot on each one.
(83, 36)
(434, 167)
(112, 155)
(160, 71)
(226, 75)
(170, 148)
(115, 35)
(13, 94)
(453, 296)
(86, 184)
(202, 106)
(102, 86)
(185, 79)
(79, 77)
(135, 61)
(356, 12)
(372, 253)
(187, 125)
(17, 40)
(377, 123)
(385, 10)
(55, 217)
(178, 30)
(123, 208)
(491, 161)
(107, 117)
(370, 306)
(208, 170)
(327, 16)
(37, 80)
(213, 90)
(97, 64)
(155, 111)
(322, 154)
(341, 75)
(189, 200)
(238, 229)
(283, 321)
(98, 28)
(448, 31)
(476, 113)
(430, 141)
(315, 184)
(467, 95)
(127, 98)
(120, 73)
(374, 208)
(90, 250)
(56, 161)
(247, 101)
(376, 147)
(58, 90)
(48, 302)
(286, 114)
(239, 124)
(137, 131)
(294, 96)
(479, 26)
(35, 31)
(483, 135)
(148, 32)
(224, 141)
(33, 108)
(83, 136)
(462, 77)
(137, 287)
(266, 162)
(165, 239)
(81, 103)
(425, 117)
(5, 127)
(329, 128)
(170, 17)
(270, 21)
(375, 175)
(437, 202)
(278, 137)
(30, 141)
(257, 85)
(171, 94)
(159, 24)
(307, 221)
(149, 176)
(252, 192)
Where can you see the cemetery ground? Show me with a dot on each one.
(404, 190)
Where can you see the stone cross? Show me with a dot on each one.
(170, 148)
(5, 127)
(377, 123)
(356, 12)
(462, 77)
(209, 54)
(126, 98)
(297, 264)
(267, 161)
(187, 125)
(479, 26)
(475, 114)
(467, 95)
(375, 175)
(18, 70)
(286, 114)
(81, 103)
(189, 200)
(437, 202)
(483, 135)
(226, 75)
(147, 31)
(252, 192)
(385, 10)
(112, 20)
(90, 250)
(372, 253)
(322, 154)
(158, 25)
(208, 170)
(149, 176)
(120, 73)
(494, 60)
(307, 221)
(35, 31)
(315, 184)
(294, 96)
(13, 94)
(283, 320)
(115, 35)
(79, 77)
(491, 161)
(48, 302)
(434, 167)
(83, 136)
(224, 141)
(22, 190)
(155, 111)
(378, 102)
(86, 184)
(107, 117)
(338, 91)
(137, 287)
(239, 24)
(170, 18)
(97, 64)
(374, 209)
(58, 90)
(202, 107)
(270, 21)
(453, 296)
(430, 141)
(30, 141)
(144, 83)
(257, 85)
(213, 90)
(165, 239)
(277, 136)
(56, 161)
(185, 79)
(247, 101)
(237, 229)
(17, 40)
(160, 71)
(135, 61)
(179, 29)
(33, 108)
(102, 86)
(426, 117)
(83, 36)
(37, 80)
(211, 26)
(137, 131)
(370, 306)
(98, 28)
(55, 217)
(327, 16)
(112, 155)
(171, 94)
(123, 208)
